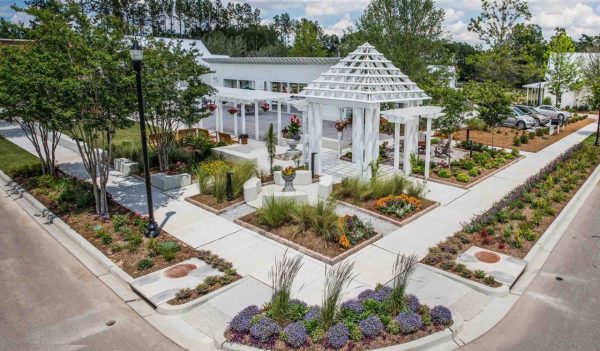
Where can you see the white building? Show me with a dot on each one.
(569, 97)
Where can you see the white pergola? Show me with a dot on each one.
(362, 81)
(410, 118)
(243, 97)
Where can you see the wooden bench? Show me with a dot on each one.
(227, 139)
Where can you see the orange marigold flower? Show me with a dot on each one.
(344, 241)
(383, 202)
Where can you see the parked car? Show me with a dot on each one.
(556, 116)
(519, 119)
(540, 119)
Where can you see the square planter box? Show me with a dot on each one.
(164, 181)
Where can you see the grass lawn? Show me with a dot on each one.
(12, 156)
(131, 134)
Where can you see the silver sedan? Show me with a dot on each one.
(555, 115)
(519, 119)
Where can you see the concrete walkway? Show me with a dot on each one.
(253, 254)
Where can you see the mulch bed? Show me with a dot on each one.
(212, 202)
(503, 137)
(484, 174)
(383, 340)
(308, 239)
(84, 221)
(175, 301)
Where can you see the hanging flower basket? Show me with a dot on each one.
(212, 107)
(265, 107)
(233, 110)
(341, 125)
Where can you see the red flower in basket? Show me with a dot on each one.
(341, 125)
(233, 110)
(212, 107)
(265, 107)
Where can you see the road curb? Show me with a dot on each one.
(500, 291)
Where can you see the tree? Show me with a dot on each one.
(460, 52)
(497, 20)
(270, 143)
(172, 84)
(491, 102)
(308, 42)
(408, 32)
(502, 65)
(32, 83)
(591, 74)
(563, 70)
(455, 104)
(527, 41)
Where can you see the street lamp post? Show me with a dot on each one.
(152, 230)
(597, 143)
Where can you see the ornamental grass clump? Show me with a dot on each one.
(336, 280)
(275, 212)
(403, 268)
(282, 277)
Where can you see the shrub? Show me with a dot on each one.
(116, 247)
(168, 249)
(539, 132)
(409, 322)
(337, 336)
(444, 173)
(371, 326)
(489, 280)
(184, 293)
(107, 239)
(474, 172)
(441, 315)
(353, 306)
(479, 274)
(468, 165)
(211, 280)
(416, 189)
(392, 327)
(145, 263)
(295, 334)
(119, 221)
(413, 303)
(276, 212)
(202, 288)
(524, 139)
(463, 178)
(264, 329)
(242, 321)
(516, 141)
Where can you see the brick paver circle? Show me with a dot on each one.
(487, 257)
(180, 271)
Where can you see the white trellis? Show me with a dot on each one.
(362, 81)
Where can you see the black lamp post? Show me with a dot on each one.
(152, 231)
(597, 143)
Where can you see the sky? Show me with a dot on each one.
(577, 16)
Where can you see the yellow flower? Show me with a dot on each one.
(344, 241)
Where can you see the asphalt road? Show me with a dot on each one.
(554, 314)
(50, 301)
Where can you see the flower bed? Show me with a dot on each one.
(212, 184)
(469, 170)
(120, 239)
(384, 316)
(317, 228)
(210, 283)
(513, 225)
(395, 198)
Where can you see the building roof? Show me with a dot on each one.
(329, 61)
(247, 96)
(365, 76)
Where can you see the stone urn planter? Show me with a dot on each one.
(288, 175)
(292, 142)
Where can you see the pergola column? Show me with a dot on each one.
(243, 118)
(289, 91)
(376, 113)
(278, 122)
(396, 147)
(358, 142)
(368, 142)
(235, 122)
(256, 120)
(409, 145)
(221, 119)
(217, 117)
(304, 137)
(318, 138)
(428, 148)
(339, 134)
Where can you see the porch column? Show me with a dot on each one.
(243, 118)
(235, 122)
(339, 134)
(428, 148)
(396, 147)
(256, 120)
(278, 122)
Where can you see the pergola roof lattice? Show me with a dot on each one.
(364, 76)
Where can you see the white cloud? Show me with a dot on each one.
(318, 8)
(459, 32)
(339, 27)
